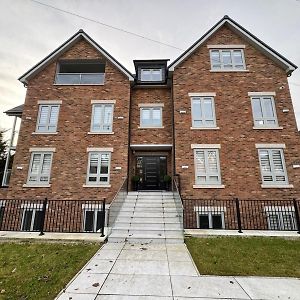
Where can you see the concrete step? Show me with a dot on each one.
(146, 230)
(147, 220)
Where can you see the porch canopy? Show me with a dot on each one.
(16, 111)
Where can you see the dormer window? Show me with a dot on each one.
(83, 72)
(153, 74)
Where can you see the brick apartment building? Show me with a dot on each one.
(220, 117)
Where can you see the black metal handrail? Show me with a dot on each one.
(49, 215)
(242, 214)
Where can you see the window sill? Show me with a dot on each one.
(204, 128)
(268, 128)
(101, 132)
(225, 71)
(44, 133)
(197, 186)
(97, 185)
(27, 185)
(277, 186)
(77, 84)
(150, 127)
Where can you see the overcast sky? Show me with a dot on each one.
(30, 31)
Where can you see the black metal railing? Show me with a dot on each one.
(178, 201)
(241, 215)
(47, 215)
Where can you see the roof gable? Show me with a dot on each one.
(66, 46)
(283, 62)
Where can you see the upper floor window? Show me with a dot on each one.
(227, 59)
(102, 118)
(47, 118)
(151, 117)
(39, 168)
(203, 112)
(72, 72)
(153, 74)
(264, 112)
(98, 168)
(272, 165)
(207, 167)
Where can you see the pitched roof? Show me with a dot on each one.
(287, 65)
(67, 45)
(16, 111)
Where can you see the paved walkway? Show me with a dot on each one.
(165, 272)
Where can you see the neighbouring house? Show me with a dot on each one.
(219, 119)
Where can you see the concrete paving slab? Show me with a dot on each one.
(140, 267)
(271, 288)
(101, 266)
(183, 268)
(179, 256)
(72, 296)
(86, 283)
(120, 297)
(209, 287)
(108, 254)
(113, 246)
(178, 247)
(150, 285)
(143, 255)
(153, 247)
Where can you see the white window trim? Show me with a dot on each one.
(275, 118)
(151, 74)
(208, 94)
(267, 146)
(47, 103)
(216, 47)
(112, 119)
(94, 149)
(210, 211)
(151, 126)
(274, 184)
(222, 69)
(208, 184)
(39, 183)
(151, 105)
(38, 149)
(98, 175)
(267, 128)
(103, 101)
(206, 146)
(204, 128)
(204, 120)
(261, 94)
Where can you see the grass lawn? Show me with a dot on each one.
(32, 270)
(246, 256)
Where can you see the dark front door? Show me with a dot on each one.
(153, 170)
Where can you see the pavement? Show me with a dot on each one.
(165, 272)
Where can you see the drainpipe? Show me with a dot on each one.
(10, 146)
(173, 130)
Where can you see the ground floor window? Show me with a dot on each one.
(2, 204)
(280, 218)
(93, 220)
(32, 219)
(210, 217)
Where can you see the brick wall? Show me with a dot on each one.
(69, 165)
(240, 169)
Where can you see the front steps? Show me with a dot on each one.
(147, 217)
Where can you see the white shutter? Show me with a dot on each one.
(48, 118)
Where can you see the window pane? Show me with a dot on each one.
(53, 115)
(27, 217)
(226, 55)
(37, 225)
(217, 222)
(35, 166)
(215, 59)
(238, 58)
(44, 110)
(212, 161)
(93, 163)
(107, 122)
(257, 109)
(104, 163)
(203, 222)
(145, 74)
(268, 108)
(46, 164)
(265, 160)
(200, 162)
(207, 108)
(156, 115)
(146, 116)
(89, 220)
(277, 161)
(196, 108)
(157, 75)
(97, 117)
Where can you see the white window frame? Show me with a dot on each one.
(210, 211)
(39, 182)
(102, 105)
(272, 166)
(151, 74)
(264, 119)
(280, 211)
(34, 210)
(47, 124)
(95, 210)
(151, 108)
(98, 175)
(203, 119)
(231, 50)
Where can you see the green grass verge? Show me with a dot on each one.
(32, 270)
(246, 256)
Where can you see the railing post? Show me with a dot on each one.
(103, 217)
(43, 216)
(238, 214)
(297, 214)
